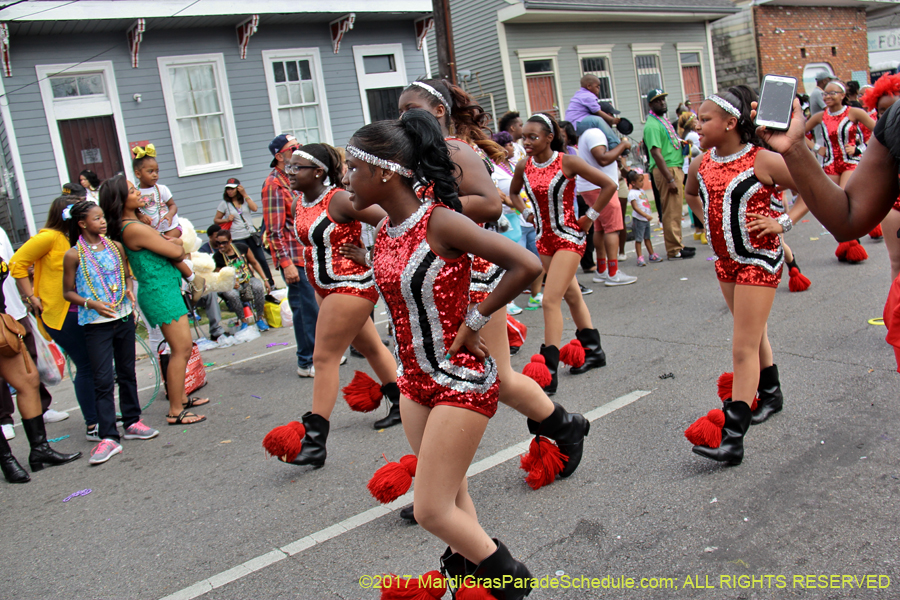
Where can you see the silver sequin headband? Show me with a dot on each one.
(838, 83)
(725, 105)
(433, 92)
(545, 118)
(379, 162)
(311, 159)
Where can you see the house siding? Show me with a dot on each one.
(734, 47)
(621, 35)
(196, 195)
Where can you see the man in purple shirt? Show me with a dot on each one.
(585, 103)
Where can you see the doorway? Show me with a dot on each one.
(91, 143)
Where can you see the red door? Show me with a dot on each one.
(542, 94)
(693, 85)
(91, 143)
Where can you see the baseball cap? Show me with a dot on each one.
(278, 143)
(609, 109)
(232, 183)
(654, 94)
(823, 75)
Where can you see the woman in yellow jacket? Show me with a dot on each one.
(60, 319)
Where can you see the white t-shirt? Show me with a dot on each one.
(694, 138)
(639, 198)
(14, 306)
(588, 140)
(155, 207)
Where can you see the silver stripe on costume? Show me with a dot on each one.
(406, 225)
(731, 157)
(306, 204)
(311, 159)
(433, 92)
(359, 281)
(473, 381)
(843, 133)
(544, 165)
(727, 211)
(725, 105)
(545, 119)
(379, 162)
(487, 281)
(556, 209)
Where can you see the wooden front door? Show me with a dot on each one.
(693, 85)
(91, 143)
(542, 94)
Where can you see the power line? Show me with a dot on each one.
(40, 11)
(21, 87)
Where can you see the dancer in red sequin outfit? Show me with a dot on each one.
(456, 109)
(732, 186)
(422, 267)
(325, 220)
(548, 176)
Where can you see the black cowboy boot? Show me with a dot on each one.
(454, 567)
(551, 359)
(392, 393)
(313, 452)
(769, 393)
(568, 431)
(12, 470)
(737, 421)
(594, 356)
(500, 564)
(42, 454)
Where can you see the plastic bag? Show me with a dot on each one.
(50, 362)
(194, 373)
(247, 334)
(287, 315)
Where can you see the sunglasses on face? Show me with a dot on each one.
(290, 149)
(295, 169)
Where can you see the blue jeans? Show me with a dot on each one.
(210, 303)
(71, 339)
(528, 240)
(302, 300)
(113, 342)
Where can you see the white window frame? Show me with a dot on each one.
(378, 80)
(217, 60)
(698, 48)
(81, 107)
(643, 50)
(315, 59)
(526, 54)
(599, 51)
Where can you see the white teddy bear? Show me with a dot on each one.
(203, 264)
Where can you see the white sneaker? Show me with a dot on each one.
(55, 416)
(601, 277)
(622, 256)
(343, 360)
(620, 278)
(512, 309)
(9, 431)
(306, 372)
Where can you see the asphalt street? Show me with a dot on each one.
(199, 512)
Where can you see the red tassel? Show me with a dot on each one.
(725, 383)
(798, 282)
(285, 441)
(429, 586)
(544, 461)
(473, 593)
(876, 234)
(363, 394)
(572, 354)
(841, 250)
(537, 370)
(856, 253)
(393, 479)
(707, 430)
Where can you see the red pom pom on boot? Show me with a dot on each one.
(572, 354)
(855, 252)
(286, 441)
(543, 462)
(363, 394)
(393, 479)
(725, 383)
(429, 586)
(798, 282)
(877, 233)
(707, 430)
(537, 370)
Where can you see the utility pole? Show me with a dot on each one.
(443, 33)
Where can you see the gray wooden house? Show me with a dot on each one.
(208, 82)
(529, 55)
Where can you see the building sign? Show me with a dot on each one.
(884, 39)
(90, 156)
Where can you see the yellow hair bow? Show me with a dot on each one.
(148, 150)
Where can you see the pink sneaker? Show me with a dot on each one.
(641, 262)
(139, 431)
(654, 258)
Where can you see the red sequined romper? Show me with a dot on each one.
(729, 190)
(553, 195)
(328, 271)
(427, 299)
(841, 131)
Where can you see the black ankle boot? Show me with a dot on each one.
(392, 393)
(737, 421)
(454, 567)
(12, 470)
(594, 356)
(42, 454)
(568, 430)
(500, 564)
(769, 393)
(313, 451)
(551, 359)
(409, 513)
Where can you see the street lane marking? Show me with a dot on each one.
(347, 525)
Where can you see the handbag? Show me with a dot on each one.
(12, 336)
(255, 235)
(194, 374)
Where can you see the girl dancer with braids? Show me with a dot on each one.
(732, 186)
(480, 200)
(840, 151)
(325, 220)
(549, 179)
(422, 267)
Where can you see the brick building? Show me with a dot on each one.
(793, 37)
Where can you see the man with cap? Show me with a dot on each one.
(817, 96)
(666, 160)
(287, 252)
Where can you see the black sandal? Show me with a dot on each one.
(195, 401)
(179, 420)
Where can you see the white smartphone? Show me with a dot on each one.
(776, 102)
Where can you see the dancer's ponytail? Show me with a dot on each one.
(740, 96)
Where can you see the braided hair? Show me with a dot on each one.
(78, 212)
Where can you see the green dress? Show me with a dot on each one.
(159, 289)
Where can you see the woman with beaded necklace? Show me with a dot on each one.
(97, 280)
